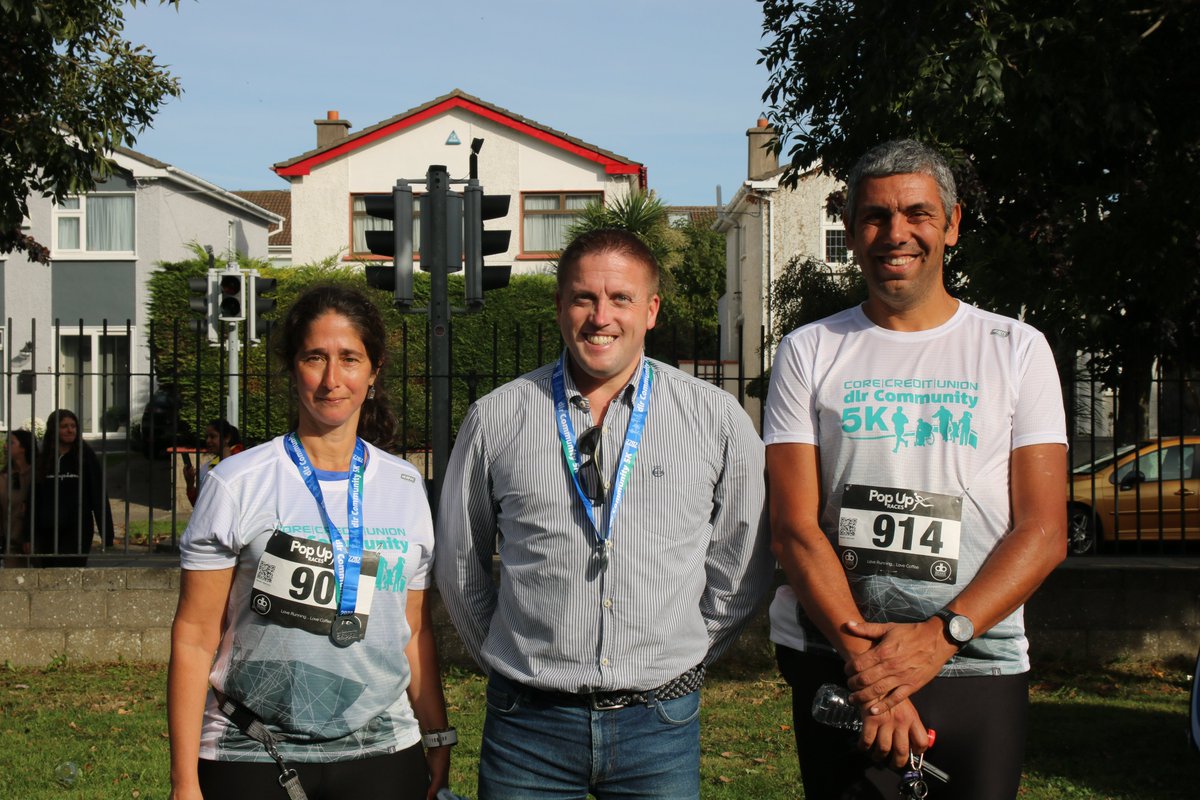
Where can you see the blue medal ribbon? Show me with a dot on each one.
(347, 556)
(629, 450)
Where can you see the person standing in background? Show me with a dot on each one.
(70, 504)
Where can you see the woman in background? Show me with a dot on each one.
(15, 480)
(69, 500)
(221, 440)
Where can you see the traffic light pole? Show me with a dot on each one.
(452, 238)
(231, 368)
(434, 248)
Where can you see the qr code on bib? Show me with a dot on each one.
(265, 573)
(847, 527)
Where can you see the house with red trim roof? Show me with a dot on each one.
(549, 175)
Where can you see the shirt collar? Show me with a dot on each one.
(576, 398)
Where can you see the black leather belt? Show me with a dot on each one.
(683, 685)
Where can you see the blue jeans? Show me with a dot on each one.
(534, 750)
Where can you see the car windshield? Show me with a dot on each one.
(1103, 461)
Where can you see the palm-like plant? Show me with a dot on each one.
(641, 213)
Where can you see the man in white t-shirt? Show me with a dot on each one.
(917, 464)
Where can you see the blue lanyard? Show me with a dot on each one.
(347, 558)
(629, 451)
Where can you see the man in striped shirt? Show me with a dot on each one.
(627, 501)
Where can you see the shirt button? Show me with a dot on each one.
(604, 662)
(608, 602)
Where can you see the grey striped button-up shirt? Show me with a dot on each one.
(689, 558)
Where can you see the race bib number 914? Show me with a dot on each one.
(900, 532)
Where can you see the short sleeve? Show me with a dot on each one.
(791, 415)
(210, 540)
(1039, 416)
(423, 523)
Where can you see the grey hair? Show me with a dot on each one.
(902, 157)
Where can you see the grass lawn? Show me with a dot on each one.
(1112, 733)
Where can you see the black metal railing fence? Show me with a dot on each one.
(143, 401)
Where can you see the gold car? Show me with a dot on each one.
(1148, 492)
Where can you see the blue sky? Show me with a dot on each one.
(670, 83)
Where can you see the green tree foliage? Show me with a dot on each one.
(1074, 130)
(641, 213)
(699, 277)
(74, 89)
(184, 358)
(515, 333)
(808, 290)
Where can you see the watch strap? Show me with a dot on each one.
(443, 737)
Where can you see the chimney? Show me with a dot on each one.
(331, 129)
(762, 162)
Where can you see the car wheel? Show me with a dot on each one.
(1081, 530)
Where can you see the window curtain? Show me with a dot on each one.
(109, 223)
(68, 233)
(363, 222)
(545, 232)
(68, 226)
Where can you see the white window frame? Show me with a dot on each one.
(832, 223)
(90, 418)
(58, 251)
(562, 211)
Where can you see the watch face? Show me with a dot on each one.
(960, 629)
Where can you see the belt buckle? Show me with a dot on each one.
(597, 704)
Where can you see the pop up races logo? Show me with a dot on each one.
(312, 552)
(899, 501)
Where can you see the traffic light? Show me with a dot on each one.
(479, 207)
(231, 305)
(202, 298)
(396, 243)
(446, 228)
(260, 305)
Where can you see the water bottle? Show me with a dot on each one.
(446, 794)
(831, 706)
(66, 773)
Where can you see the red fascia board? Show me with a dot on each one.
(611, 165)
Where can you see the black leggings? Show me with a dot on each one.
(399, 776)
(980, 724)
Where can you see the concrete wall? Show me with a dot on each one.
(1096, 609)
(1090, 611)
(86, 614)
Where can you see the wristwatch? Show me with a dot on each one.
(443, 737)
(958, 629)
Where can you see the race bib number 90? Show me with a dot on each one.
(295, 585)
(900, 532)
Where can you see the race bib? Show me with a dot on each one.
(294, 585)
(900, 532)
